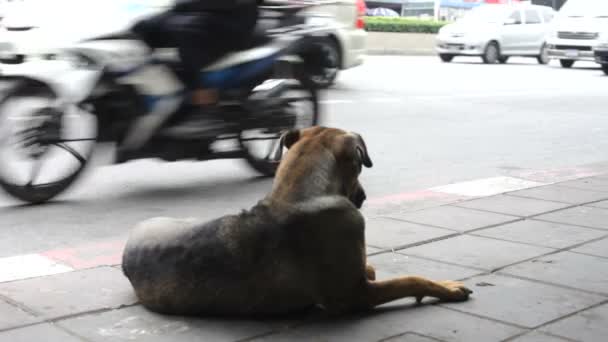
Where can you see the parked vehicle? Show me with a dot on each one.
(601, 53)
(59, 106)
(576, 31)
(345, 43)
(33, 27)
(497, 32)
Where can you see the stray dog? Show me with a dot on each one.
(301, 246)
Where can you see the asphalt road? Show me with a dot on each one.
(426, 124)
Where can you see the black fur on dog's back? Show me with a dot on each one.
(234, 264)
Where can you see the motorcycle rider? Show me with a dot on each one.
(203, 31)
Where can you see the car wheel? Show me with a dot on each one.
(543, 58)
(446, 58)
(491, 54)
(503, 59)
(325, 59)
(605, 68)
(566, 63)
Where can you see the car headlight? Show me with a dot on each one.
(7, 50)
(552, 35)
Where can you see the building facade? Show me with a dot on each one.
(407, 8)
(448, 8)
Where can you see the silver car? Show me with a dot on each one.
(497, 32)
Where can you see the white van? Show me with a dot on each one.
(576, 31)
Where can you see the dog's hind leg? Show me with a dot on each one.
(380, 292)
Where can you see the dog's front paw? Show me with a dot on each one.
(456, 291)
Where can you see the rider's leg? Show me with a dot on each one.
(199, 42)
(208, 36)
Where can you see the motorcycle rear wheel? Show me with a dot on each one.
(300, 91)
(36, 135)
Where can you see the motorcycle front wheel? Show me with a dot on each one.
(298, 108)
(44, 146)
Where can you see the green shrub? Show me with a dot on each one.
(385, 24)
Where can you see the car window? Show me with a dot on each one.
(516, 17)
(548, 15)
(532, 17)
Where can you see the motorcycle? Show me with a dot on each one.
(66, 102)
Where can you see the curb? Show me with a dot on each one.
(400, 52)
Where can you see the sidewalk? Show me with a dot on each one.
(536, 259)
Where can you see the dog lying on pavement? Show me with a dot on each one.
(302, 246)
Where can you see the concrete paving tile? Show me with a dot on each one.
(559, 193)
(546, 234)
(604, 171)
(522, 302)
(38, 333)
(602, 204)
(578, 271)
(582, 216)
(138, 324)
(598, 248)
(388, 233)
(383, 208)
(536, 336)
(72, 293)
(429, 321)
(593, 183)
(390, 265)
(455, 218)
(512, 205)
(475, 251)
(587, 326)
(369, 250)
(12, 316)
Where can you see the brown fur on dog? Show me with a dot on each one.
(301, 246)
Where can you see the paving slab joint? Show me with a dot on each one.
(19, 305)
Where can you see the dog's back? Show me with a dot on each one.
(233, 264)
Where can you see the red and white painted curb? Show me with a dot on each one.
(109, 253)
(104, 253)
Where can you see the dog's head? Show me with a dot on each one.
(329, 159)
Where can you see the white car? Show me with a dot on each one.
(497, 32)
(347, 38)
(577, 31)
(34, 27)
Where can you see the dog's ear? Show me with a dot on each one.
(289, 138)
(362, 151)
